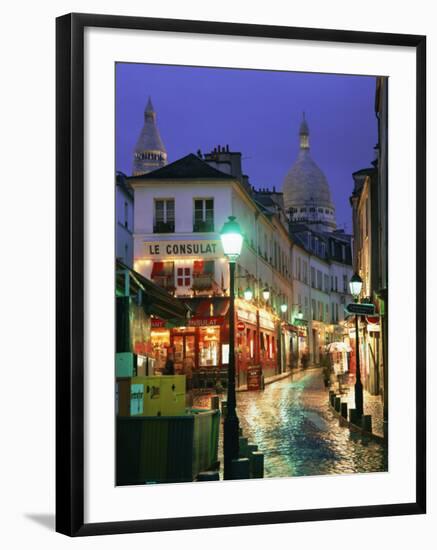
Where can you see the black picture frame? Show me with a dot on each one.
(70, 273)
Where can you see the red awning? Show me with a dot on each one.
(157, 269)
(162, 269)
(208, 307)
(198, 267)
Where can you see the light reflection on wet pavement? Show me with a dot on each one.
(298, 433)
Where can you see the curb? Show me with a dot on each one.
(353, 427)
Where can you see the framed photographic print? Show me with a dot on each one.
(240, 274)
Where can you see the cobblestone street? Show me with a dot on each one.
(293, 426)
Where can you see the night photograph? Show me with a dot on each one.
(251, 274)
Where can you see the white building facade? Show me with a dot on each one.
(179, 211)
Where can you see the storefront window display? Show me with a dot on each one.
(184, 348)
(160, 343)
(209, 346)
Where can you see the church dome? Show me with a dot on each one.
(307, 197)
(305, 182)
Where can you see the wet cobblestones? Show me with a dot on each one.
(293, 425)
(372, 405)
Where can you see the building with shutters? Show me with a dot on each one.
(179, 211)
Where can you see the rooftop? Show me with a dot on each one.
(189, 167)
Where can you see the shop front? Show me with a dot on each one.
(374, 355)
(201, 347)
(296, 337)
(257, 342)
(246, 341)
(269, 333)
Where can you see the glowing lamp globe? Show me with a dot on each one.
(248, 294)
(232, 239)
(355, 285)
(283, 308)
(266, 294)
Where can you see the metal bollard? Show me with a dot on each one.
(337, 404)
(208, 476)
(366, 422)
(244, 453)
(332, 399)
(240, 468)
(343, 410)
(224, 408)
(257, 464)
(215, 403)
(354, 418)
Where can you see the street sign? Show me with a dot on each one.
(240, 326)
(300, 322)
(360, 309)
(254, 377)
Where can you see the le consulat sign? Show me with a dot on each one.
(182, 249)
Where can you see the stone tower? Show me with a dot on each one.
(149, 153)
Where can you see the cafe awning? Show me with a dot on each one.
(154, 299)
(208, 307)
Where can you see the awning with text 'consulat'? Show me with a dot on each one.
(204, 312)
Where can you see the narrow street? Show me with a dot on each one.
(293, 426)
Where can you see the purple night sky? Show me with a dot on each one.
(257, 113)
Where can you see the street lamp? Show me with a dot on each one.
(266, 294)
(232, 242)
(284, 308)
(355, 286)
(248, 294)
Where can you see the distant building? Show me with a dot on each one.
(369, 207)
(124, 214)
(381, 281)
(322, 265)
(307, 197)
(150, 152)
(321, 255)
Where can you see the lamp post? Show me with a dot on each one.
(299, 316)
(355, 286)
(281, 338)
(232, 242)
